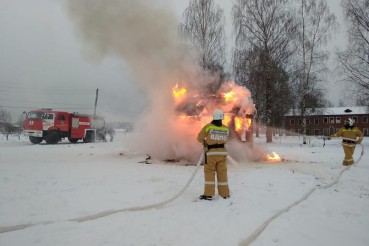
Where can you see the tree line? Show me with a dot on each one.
(279, 52)
(7, 128)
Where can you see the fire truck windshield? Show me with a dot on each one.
(35, 115)
(48, 116)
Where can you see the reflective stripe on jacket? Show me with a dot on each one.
(213, 134)
(350, 134)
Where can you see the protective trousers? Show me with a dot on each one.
(349, 152)
(216, 163)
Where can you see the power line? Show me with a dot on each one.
(26, 107)
(121, 111)
(117, 98)
(117, 113)
(46, 92)
(37, 107)
(45, 89)
(45, 102)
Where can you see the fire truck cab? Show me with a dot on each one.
(52, 126)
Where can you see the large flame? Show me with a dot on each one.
(276, 157)
(230, 96)
(179, 94)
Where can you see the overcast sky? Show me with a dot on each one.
(41, 63)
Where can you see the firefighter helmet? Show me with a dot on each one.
(218, 115)
(349, 122)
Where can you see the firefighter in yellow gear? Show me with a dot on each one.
(349, 132)
(214, 136)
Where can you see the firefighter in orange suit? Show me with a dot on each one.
(349, 132)
(213, 136)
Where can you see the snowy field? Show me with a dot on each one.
(41, 183)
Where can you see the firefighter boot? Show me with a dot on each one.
(203, 197)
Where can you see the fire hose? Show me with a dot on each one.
(261, 228)
(110, 212)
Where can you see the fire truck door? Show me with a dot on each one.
(47, 121)
(75, 123)
(75, 128)
(61, 121)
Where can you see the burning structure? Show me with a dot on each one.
(234, 100)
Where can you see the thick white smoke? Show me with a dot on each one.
(146, 38)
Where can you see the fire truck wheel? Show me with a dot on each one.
(73, 140)
(35, 140)
(53, 137)
(90, 137)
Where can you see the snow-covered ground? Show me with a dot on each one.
(65, 181)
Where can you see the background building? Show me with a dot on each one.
(327, 121)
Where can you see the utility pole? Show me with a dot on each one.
(97, 95)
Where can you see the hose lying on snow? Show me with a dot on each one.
(99, 215)
(261, 228)
(106, 213)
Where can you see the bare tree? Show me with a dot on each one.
(247, 69)
(268, 27)
(353, 62)
(203, 32)
(6, 128)
(21, 119)
(5, 116)
(341, 103)
(316, 24)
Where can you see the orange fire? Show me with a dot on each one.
(199, 103)
(226, 120)
(276, 157)
(225, 100)
(228, 95)
(179, 93)
(238, 123)
(242, 123)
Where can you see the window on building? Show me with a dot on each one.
(299, 131)
(292, 122)
(307, 132)
(325, 120)
(365, 119)
(325, 132)
(331, 119)
(292, 130)
(365, 132)
(316, 132)
(300, 122)
(307, 122)
(354, 119)
(338, 119)
(316, 121)
(331, 131)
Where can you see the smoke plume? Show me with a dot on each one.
(146, 38)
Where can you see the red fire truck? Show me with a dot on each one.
(52, 126)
